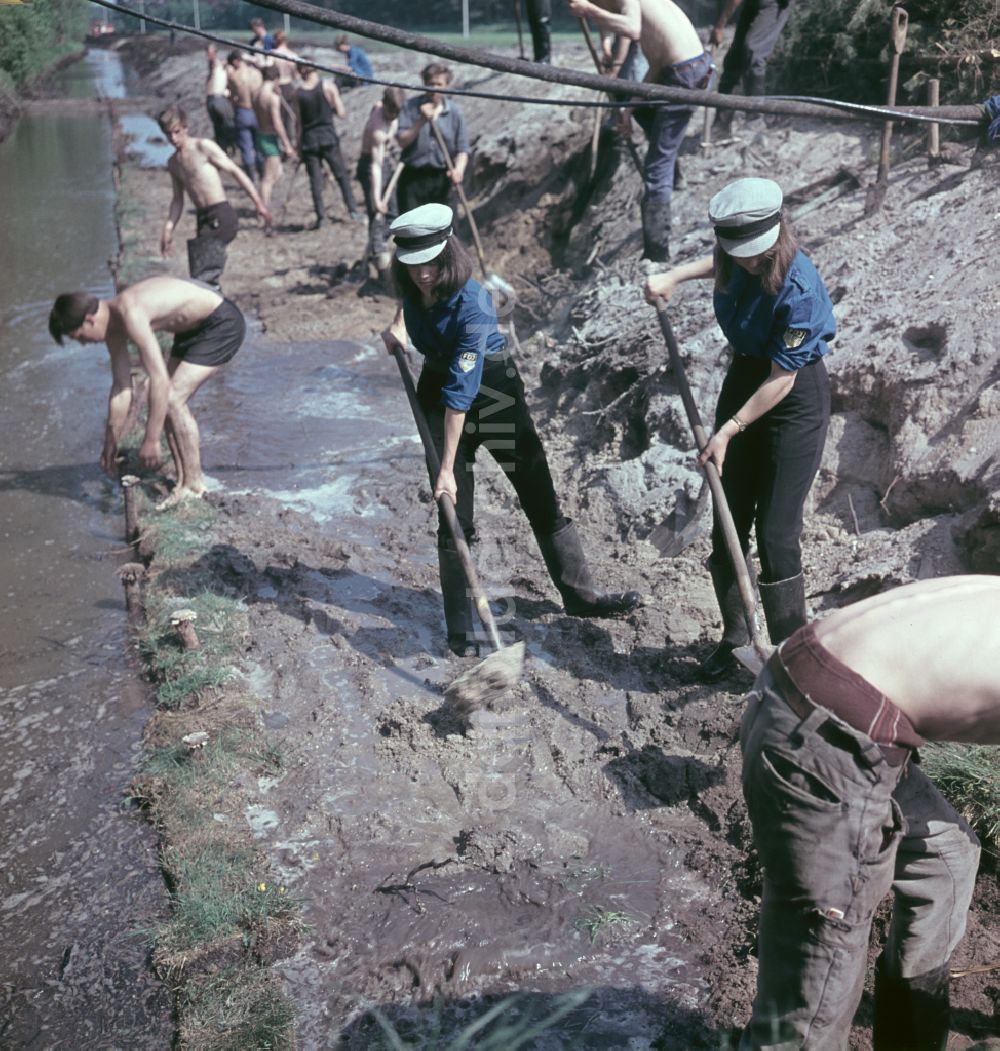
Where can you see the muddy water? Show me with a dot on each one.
(78, 877)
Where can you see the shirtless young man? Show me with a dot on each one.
(195, 167)
(373, 172)
(244, 82)
(676, 58)
(271, 134)
(841, 814)
(286, 61)
(218, 102)
(208, 330)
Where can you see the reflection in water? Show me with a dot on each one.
(79, 873)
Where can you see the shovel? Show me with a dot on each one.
(501, 669)
(753, 656)
(897, 41)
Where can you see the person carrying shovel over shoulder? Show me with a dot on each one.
(473, 396)
(842, 815)
(774, 407)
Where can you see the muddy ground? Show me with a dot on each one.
(588, 830)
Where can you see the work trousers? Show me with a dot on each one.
(836, 827)
(770, 467)
(419, 186)
(758, 27)
(665, 127)
(223, 118)
(313, 158)
(246, 140)
(498, 421)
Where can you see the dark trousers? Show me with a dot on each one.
(246, 139)
(223, 118)
(758, 27)
(770, 468)
(419, 186)
(499, 422)
(313, 158)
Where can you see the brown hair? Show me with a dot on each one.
(170, 116)
(69, 312)
(342, 41)
(280, 38)
(454, 270)
(779, 258)
(392, 102)
(271, 73)
(435, 69)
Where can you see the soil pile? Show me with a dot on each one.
(588, 830)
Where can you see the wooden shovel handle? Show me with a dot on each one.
(447, 507)
(461, 197)
(898, 23)
(723, 514)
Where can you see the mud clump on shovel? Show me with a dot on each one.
(487, 680)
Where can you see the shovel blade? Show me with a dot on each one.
(488, 680)
(682, 526)
(752, 659)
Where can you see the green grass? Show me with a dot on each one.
(599, 922)
(969, 778)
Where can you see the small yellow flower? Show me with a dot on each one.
(262, 886)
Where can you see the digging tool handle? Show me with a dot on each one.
(461, 197)
(722, 511)
(387, 196)
(897, 41)
(447, 507)
(520, 37)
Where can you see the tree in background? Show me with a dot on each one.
(33, 38)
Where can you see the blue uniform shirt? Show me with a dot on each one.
(792, 328)
(455, 335)
(358, 62)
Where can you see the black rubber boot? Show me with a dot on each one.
(656, 231)
(568, 568)
(541, 41)
(911, 1014)
(459, 613)
(721, 662)
(784, 604)
(722, 128)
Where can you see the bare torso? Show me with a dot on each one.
(169, 304)
(286, 60)
(244, 83)
(933, 648)
(267, 100)
(191, 166)
(666, 35)
(218, 80)
(377, 132)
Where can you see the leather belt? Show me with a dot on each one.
(803, 706)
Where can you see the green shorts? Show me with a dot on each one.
(269, 145)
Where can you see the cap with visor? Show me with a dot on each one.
(421, 233)
(746, 216)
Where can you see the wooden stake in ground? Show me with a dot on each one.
(183, 620)
(897, 41)
(934, 131)
(131, 576)
(129, 490)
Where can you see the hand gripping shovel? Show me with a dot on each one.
(753, 656)
(502, 669)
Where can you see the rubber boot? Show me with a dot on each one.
(722, 128)
(570, 573)
(206, 259)
(656, 231)
(911, 1014)
(541, 41)
(721, 662)
(784, 603)
(459, 612)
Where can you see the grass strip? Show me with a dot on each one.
(968, 776)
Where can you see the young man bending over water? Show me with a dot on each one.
(208, 330)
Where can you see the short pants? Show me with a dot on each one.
(215, 340)
(218, 221)
(269, 146)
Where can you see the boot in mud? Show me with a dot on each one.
(567, 566)
(722, 128)
(656, 231)
(784, 604)
(911, 1014)
(459, 613)
(541, 41)
(207, 260)
(721, 663)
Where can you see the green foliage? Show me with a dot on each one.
(840, 49)
(969, 778)
(238, 1009)
(35, 36)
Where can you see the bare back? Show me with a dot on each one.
(267, 106)
(933, 648)
(193, 166)
(167, 304)
(218, 80)
(666, 34)
(378, 131)
(244, 82)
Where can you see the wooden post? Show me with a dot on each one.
(129, 482)
(934, 131)
(183, 620)
(131, 576)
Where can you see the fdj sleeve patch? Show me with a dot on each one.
(794, 337)
(467, 361)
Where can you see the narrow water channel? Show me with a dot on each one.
(79, 882)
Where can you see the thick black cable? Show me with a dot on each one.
(650, 94)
